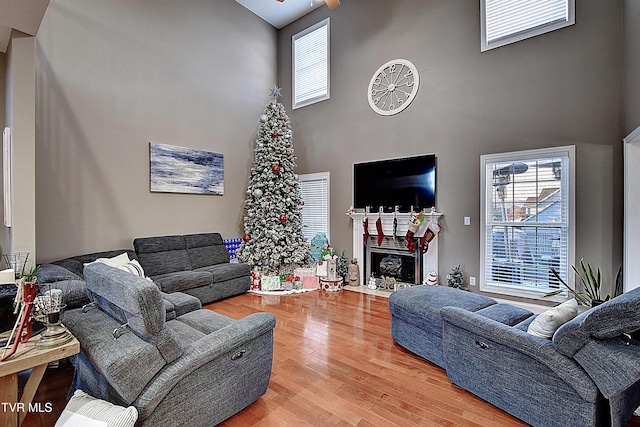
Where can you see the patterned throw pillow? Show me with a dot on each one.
(133, 267)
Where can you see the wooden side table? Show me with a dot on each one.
(12, 409)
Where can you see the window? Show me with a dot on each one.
(314, 189)
(526, 221)
(508, 21)
(311, 65)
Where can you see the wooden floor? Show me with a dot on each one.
(335, 364)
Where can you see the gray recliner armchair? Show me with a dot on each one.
(587, 375)
(199, 368)
(605, 341)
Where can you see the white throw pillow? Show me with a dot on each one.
(123, 262)
(116, 261)
(546, 324)
(83, 410)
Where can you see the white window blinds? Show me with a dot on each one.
(509, 21)
(314, 189)
(311, 65)
(527, 221)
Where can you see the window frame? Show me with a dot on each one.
(524, 34)
(294, 74)
(486, 199)
(318, 176)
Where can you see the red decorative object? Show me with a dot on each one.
(246, 237)
(275, 134)
(275, 169)
(283, 218)
(23, 328)
(379, 230)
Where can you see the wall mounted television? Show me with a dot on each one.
(402, 182)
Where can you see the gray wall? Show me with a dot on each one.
(632, 65)
(20, 117)
(561, 88)
(3, 123)
(113, 76)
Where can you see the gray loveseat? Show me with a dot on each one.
(587, 375)
(197, 370)
(196, 264)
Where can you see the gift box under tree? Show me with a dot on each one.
(308, 277)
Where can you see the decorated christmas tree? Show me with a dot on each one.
(455, 278)
(273, 237)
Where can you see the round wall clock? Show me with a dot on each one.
(393, 87)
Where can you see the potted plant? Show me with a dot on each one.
(30, 276)
(591, 282)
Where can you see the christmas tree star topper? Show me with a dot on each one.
(276, 92)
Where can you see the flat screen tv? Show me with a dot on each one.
(402, 182)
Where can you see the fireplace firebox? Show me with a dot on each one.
(392, 259)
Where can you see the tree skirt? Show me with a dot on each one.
(280, 292)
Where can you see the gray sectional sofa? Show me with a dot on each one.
(588, 374)
(195, 264)
(199, 368)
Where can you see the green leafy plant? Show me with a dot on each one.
(619, 287)
(590, 280)
(30, 275)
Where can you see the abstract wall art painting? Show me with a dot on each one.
(185, 170)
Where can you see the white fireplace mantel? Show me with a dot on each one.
(429, 258)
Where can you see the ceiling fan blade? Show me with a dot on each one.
(332, 4)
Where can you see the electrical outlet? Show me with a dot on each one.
(467, 220)
(472, 281)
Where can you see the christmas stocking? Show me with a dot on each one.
(365, 224)
(432, 229)
(414, 223)
(380, 231)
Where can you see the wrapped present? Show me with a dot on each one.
(332, 264)
(321, 269)
(304, 272)
(328, 268)
(317, 245)
(307, 276)
(232, 246)
(270, 282)
(310, 282)
(255, 281)
(331, 285)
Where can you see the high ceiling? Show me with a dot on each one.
(26, 15)
(21, 15)
(280, 13)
